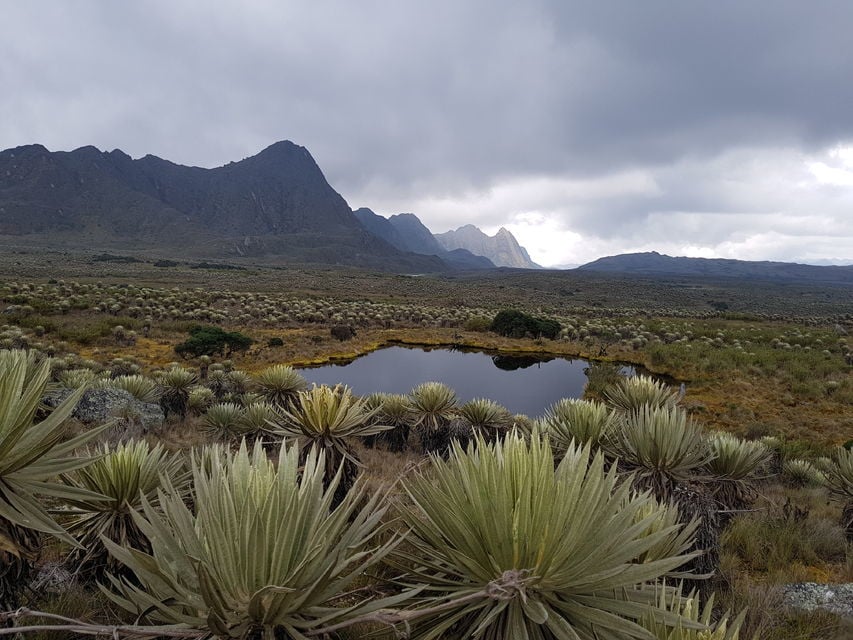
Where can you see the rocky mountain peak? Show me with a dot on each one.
(502, 248)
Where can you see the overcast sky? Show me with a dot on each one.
(714, 129)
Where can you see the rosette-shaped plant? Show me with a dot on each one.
(733, 467)
(279, 384)
(509, 547)
(326, 417)
(663, 445)
(839, 481)
(433, 407)
(262, 553)
(124, 476)
(31, 456)
(629, 394)
(581, 421)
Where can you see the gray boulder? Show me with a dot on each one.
(100, 405)
(835, 598)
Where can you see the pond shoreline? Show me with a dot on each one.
(469, 343)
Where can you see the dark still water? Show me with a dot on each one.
(523, 384)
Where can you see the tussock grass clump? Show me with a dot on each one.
(786, 535)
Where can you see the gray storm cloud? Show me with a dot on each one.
(701, 128)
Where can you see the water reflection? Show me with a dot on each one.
(511, 380)
(512, 363)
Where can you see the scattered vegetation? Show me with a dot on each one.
(582, 522)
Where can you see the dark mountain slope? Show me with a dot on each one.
(275, 203)
(406, 232)
(418, 238)
(653, 263)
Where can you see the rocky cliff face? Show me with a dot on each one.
(502, 248)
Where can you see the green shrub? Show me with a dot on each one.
(515, 324)
(479, 324)
(208, 340)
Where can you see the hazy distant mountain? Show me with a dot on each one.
(654, 263)
(274, 203)
(502, 248)
(406, 232)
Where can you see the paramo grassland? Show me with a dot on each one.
(262, 508)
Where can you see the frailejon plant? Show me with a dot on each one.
(224, 421)
(690, 608)
(486, 417)
(802, 473)
(637, 391)
(517, 549)
(581, 421)
(176, 384)
(326, 417)
(662, 445)
(662, 516)
(279, 384)
(123, 476)
(31, 456)
(839, 481)
(433, 406)
(262, 553)
(256, 418)
(142, 388)
(733, 467)
(396, 412)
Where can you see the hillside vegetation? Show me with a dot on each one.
(257, 507)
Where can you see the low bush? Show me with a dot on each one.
(209, 340)
(515, 324)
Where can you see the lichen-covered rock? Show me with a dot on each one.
(835, 598)
(99, 405)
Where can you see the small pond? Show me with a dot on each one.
(523, 384)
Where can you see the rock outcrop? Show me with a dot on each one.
(502, 248)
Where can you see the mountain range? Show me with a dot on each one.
(406, 232)
(275, 204)
(655, 264)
